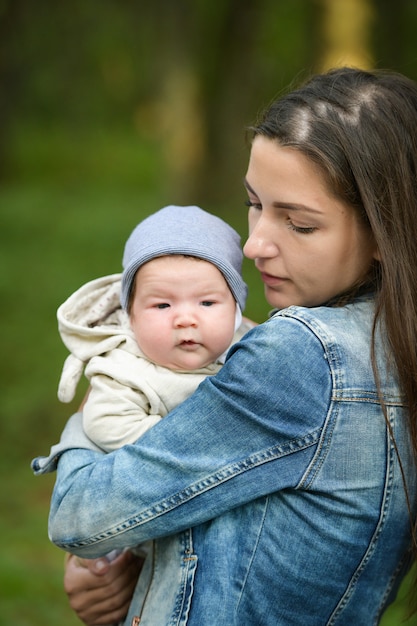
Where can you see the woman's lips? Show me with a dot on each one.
(272, 281)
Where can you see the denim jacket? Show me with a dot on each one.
(283, 466)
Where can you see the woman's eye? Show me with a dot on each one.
(253, 205)
(303, 230)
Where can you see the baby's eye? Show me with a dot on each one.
(207, 302)
(162, 305)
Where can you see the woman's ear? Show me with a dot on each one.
(376, 254)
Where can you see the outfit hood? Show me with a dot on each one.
(185, 230)
(91, 322)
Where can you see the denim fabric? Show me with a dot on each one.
(282, 464)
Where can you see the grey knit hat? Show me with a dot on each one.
(185, 230)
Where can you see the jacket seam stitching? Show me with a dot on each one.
(201, 486)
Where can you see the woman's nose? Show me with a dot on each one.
(260, 244)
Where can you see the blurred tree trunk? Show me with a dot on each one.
(214, 64)
(346, 28)
(394, 31)
(181, 115)
(230, 97)
(205, 65)
(10, 13)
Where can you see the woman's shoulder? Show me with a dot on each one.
(342, 335)
(299, 334)
(354, 319)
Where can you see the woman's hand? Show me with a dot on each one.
(100, 591)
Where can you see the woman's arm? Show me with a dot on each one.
(248, 431)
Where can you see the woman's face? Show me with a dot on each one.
(308, 245)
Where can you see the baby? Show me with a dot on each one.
(148, 337)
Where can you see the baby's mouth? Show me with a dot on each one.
(189, 343)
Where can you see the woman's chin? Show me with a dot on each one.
(278, 300)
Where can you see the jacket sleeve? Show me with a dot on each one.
(248, 431)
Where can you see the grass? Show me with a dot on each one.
(56, 231)
(31, 569)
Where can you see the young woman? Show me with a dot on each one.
(295, 465)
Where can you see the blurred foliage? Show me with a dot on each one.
(110, 110)
(187, 76)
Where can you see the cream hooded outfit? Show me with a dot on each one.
(129, 393)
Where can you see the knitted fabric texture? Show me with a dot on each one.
(185, 230)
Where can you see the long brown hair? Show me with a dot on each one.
(360, 128)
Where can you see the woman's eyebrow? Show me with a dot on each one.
(290, 206)
(293, 206)
(248, 187)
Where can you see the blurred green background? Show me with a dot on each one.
(109, 110)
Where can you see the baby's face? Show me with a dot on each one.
(182, 312)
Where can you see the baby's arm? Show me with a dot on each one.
(115, 415)
(120, 408)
